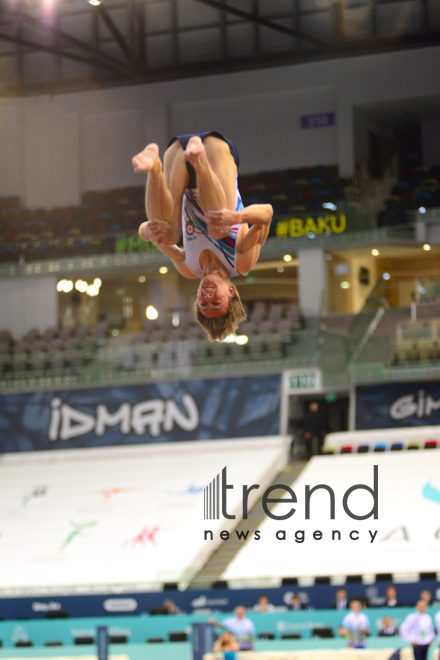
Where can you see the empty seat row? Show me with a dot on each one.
(420, 351)
(92, 227)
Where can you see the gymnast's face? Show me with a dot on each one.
(214, 296)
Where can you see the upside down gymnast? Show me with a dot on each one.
(196, 192)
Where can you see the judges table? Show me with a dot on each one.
(335, 654)
(42, 656)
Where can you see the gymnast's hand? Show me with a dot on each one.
(155, 231)
(220, 222)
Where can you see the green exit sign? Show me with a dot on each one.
(306, 380)
(300, 380)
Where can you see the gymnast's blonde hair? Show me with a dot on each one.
(222, 326)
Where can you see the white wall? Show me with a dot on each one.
(54, 148)
(51, 153)
(109, 140)
(28, 303)
(12, 170)
(270, 124)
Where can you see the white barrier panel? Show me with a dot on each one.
(119, 515)
(404, 538)
(387, 437)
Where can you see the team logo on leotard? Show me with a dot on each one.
(190, 227)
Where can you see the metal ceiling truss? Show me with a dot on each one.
(129, 63)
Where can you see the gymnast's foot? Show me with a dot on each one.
(148, 160)
(195, 152)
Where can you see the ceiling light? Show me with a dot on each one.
(344, 284)
(330, 206)
(241, 340)
(81, 286)
(427, 247)
(151, 313)
(141, 279)
(95, 3)
(163, 270)
(422, 209)
(280, 269)
(287, 257)
(386, 276)
(375, 252)
(92, 290)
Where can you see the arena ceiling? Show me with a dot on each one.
(53, 46)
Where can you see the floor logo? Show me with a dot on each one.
(38, 491)
(190, 490)
(78, 529)
(431, 493)
(146, 535)
(108, 493)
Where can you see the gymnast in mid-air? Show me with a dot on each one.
(196, 191)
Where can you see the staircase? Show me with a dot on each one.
(377, 345)
(219, 560)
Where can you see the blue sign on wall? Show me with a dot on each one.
(398, 405)
(319, 120)
(157, 412)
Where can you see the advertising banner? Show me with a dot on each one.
(398, 405)
(157, 412)
(137, 605)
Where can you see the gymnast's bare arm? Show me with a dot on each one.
(156, 231)
(256, 214)
(249, 240)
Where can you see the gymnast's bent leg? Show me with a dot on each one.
(216, 175)
(165, 188)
